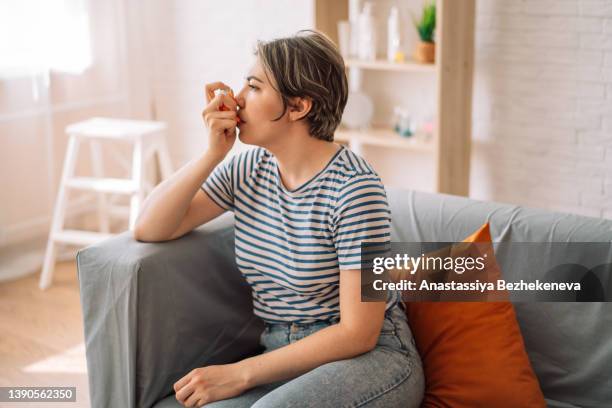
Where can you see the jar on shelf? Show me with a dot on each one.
(403, 124)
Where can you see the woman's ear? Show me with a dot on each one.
(299, 108)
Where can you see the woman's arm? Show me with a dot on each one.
(165, 208)
(356, 333)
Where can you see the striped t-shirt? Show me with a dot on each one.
(291, 244)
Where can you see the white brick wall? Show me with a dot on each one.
(543, 104)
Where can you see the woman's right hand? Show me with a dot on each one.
(221, 124)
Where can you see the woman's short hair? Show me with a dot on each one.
(308, 64)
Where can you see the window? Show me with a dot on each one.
(37, 36)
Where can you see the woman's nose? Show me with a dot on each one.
(240, 98)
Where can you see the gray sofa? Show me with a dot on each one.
(152, 312)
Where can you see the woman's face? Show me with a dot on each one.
(259, 105)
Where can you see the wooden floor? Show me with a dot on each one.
(41, 336)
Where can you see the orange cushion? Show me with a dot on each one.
(473, 352)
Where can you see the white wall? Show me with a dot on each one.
(543, 105)
(198, 42)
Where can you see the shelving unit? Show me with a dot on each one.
(450, 146)
(384, 138)
(382, 65)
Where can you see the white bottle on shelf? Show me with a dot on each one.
(367, 33)
(354, 8)
(393, 35)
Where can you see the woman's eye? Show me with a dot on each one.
(252, 87)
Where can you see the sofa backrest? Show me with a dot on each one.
(569, 344)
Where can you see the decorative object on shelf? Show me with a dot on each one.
(344, 38)
(381, 137)
(425, 130)
(394, 41)
(402, 123)
(367, 33)
(353, 12)
(358, 111)
(425, 51)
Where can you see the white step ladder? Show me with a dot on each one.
(147, 138)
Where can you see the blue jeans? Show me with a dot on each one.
(390, 375)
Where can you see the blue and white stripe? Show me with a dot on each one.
(291, 245)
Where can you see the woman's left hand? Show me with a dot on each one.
(211, 383)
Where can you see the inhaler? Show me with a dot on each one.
(223, 107)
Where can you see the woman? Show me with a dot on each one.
(303, 205)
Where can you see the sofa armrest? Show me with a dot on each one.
(154, 311)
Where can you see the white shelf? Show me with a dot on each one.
(383, 65)
(382, 137)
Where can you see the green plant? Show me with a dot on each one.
(427, 24)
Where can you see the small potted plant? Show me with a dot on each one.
(425, 51)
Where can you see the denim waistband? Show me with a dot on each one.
(301, 326)
(293, 326)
